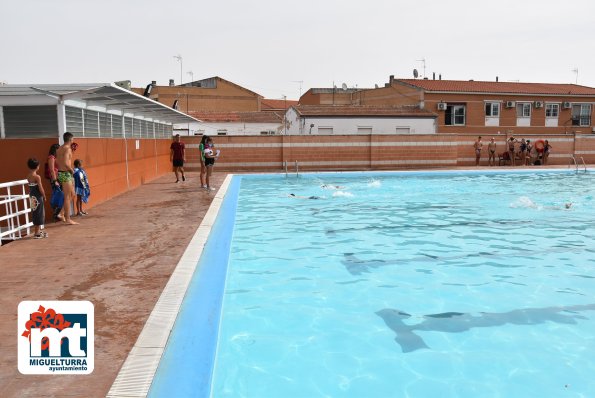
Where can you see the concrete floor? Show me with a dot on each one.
(120, 257)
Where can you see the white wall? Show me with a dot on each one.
(234, 128)
(349, 125)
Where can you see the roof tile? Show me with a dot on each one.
(463, 86)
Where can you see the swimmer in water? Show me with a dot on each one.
(326, 186)
(292, 195)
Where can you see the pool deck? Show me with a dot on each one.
(120, 258)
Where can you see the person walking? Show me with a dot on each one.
(177, 156)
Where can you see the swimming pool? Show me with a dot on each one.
(451, 284)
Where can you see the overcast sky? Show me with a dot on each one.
(269, 45)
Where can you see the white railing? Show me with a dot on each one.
(15, 200)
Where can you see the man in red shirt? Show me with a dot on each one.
(177, 156)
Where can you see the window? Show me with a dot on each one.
(523, 109)
(91, 123)
(325, 130)
(74, 120)
(455, 115)
(364, 130)
(581, 114)
(552, 110)
(222, 132)
(492, 109)
(403, 130)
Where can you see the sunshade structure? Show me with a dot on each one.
(88, 110)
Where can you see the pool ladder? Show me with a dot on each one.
(576, 165)
(297, 168)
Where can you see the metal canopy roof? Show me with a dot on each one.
(107, 95)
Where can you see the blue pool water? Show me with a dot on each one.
(410, 285)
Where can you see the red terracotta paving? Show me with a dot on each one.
(120, 257)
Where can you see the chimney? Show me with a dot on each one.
(154, 82)
(392, 77)
(171, 82)
(433, 75)
(440, 76)
(496, 79)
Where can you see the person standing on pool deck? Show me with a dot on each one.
(37, 195)
(65, 174)
(210, 156)
(203, 168)
(511, 151)
(546, 152)
(492, 152)
(477, 145)
(177, 156)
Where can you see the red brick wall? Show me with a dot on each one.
(362, 152)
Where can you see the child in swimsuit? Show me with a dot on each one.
(81, 187)
(37, 195)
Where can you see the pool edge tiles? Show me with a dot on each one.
(424, 172)
(139, 369)
(186, 366)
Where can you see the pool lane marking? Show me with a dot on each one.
(137, 373)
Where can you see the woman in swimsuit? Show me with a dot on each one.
(546, 152)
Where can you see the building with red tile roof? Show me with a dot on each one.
(482, 107)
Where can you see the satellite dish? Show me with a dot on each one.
(344, 87)
(415, 73)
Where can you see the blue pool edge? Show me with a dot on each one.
(136, 377)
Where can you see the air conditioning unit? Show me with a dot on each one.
(538, 104)
(441, 106)
(566, 105)
(510, 104)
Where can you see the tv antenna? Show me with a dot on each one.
(423, 61)
(575, 70)
(344, 87)
(180, 59)
(415, 73)
(300, 82)
(191, 75)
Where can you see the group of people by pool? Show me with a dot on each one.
(208, 155)
(519, 152)
(68, 181)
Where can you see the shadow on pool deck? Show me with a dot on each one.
(120, 257)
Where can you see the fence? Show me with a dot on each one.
(15, 219)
